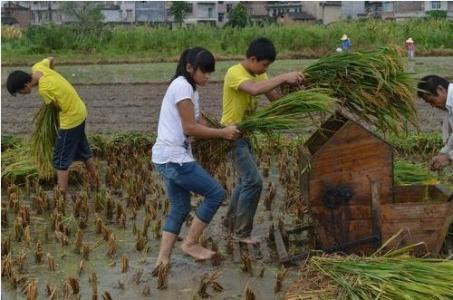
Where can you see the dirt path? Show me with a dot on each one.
(135, 107)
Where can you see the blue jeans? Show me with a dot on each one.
(246, 195)
(180, 181)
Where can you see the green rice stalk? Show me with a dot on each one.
(407, 173)
(43, 139)
(373, 86)
(17, 165)
(388, 275)
(289, 112)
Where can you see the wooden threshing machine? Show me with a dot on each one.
(348, 182)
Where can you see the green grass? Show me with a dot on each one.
(159, 43)
(162, 72)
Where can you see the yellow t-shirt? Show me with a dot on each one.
(54, 88)
(236, 103)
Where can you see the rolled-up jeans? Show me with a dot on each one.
(244, 201)
(180, 181)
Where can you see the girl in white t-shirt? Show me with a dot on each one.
(172, 155)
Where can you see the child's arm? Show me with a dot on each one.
(265, 86)
(192, 128)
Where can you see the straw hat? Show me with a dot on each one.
(409, 40)
(344, 37)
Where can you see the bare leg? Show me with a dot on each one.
(166, 246)
(190, 245)
(63, 177)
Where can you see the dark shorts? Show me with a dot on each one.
(71, 145)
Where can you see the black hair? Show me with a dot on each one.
(17, 81)
(199, 58)
(428, 85)
(262, 48)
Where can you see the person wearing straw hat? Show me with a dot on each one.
(438, 92)
(346, 43)
(410, 47)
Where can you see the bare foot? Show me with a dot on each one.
(248, 240)
(197, 251)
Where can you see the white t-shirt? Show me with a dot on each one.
(172, 145)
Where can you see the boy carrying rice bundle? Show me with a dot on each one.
(69, 138)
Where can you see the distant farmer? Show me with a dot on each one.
(346, 43)
(72, 143)
(410, 47)
(438, 92)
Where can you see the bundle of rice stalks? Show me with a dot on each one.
(373, 86)
(289, 112)
(389, 278)
(43, 139)
(391, 275)
(425, 144)
(18, 165)
(10, 141)
(407, 173)
(210, 153)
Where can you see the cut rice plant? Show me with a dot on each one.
(400, 277)
(387, 274)
(425, 144)
(372, 86)
(43, 139)
(407, 173)
(289, 112)
(17, 164)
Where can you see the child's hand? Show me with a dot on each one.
(231, 133)
(294, 78)
(440, 161)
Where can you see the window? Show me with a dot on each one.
(229, 7)
(435, 4)
(388, 6)
(209, 12)
(220, 2)
(129, 14)
(221, 16)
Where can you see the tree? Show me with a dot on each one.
(178, 10)
(86, 14)
(238, 16)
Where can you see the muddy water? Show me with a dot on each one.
(185, 274)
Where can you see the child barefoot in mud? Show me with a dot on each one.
(72, 143)
(243, 82)
(180, 119)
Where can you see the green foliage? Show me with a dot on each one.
(309, 39)
(86, 13)
(179, 10)
(238, 17)
(437, 14)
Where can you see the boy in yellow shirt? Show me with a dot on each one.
(243, 83)
(71, 143)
